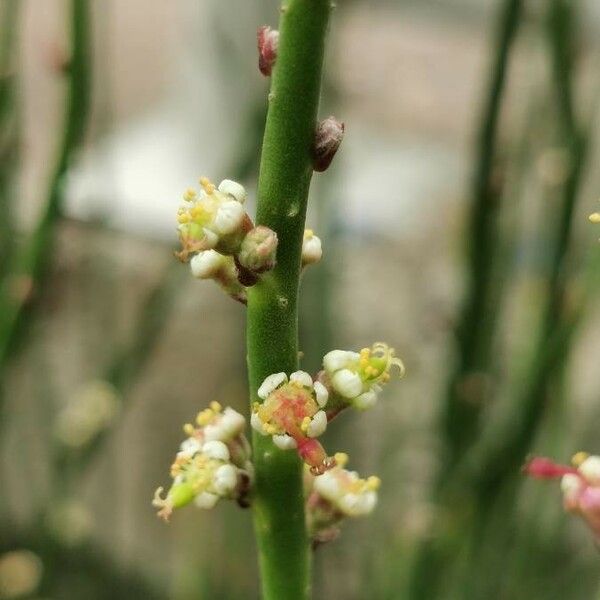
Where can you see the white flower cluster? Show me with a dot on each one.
(358, 376)
(212, 463)
(346, 491)
(218, 238)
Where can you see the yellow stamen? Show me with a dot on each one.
(373, 483)
(188, 429)
(189, 195)
(578, 458)
(216, 406)
(341, 459)
(207, 185)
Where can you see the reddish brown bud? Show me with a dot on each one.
(328, 138)
(268, 39)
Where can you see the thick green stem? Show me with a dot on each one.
(30, 263)
(272, 328)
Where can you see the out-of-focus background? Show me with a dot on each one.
(454, 226)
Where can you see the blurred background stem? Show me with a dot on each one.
(27, 269)
(477, 320)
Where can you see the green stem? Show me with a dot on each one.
(31, 262)
(477, 321)
(272, 326)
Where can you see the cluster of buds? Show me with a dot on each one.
(212, 463)
(580, 484)
(336, 494)
(356, 378)
(292, 412)
(219, 239)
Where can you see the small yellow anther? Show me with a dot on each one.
(373, 483)
(207, 185)
(183, 218)
(595, 217)
(341, 459)
(215, 406)
(579, 458)
(204, 417)
(188, 429)
(305, 424)
(190, 195)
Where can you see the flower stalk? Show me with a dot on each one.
(272, 323)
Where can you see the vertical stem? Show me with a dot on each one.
(32, 260)
(272, 327)
(476, 323)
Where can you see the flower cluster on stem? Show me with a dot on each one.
(213, 462)
(219, 239)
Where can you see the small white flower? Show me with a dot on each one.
(206, 500)
(321, 393)
(347, 383)
(365, 400)
(270, 384)
(285, 442)
(206, 264)
(229, 217)
(217, 450)
(328, 486)
(302, 378)
(233, 189)
(318, 424)
(339, 359)
(225, 480)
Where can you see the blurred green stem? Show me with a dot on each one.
(477, 320)
(272, 326)
(9, 130)
(30, 263)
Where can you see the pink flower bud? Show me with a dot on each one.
(268, 39)
(328, 138)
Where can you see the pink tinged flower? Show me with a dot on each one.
(268, 41)
(580, 484)
(292, 413)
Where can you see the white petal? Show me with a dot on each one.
(205, 265)
(347, 383)
(302, 378)
(318, 424)
(216, 449)
(232, 422)
(210, 237)
(234, 189)
(272, 382)
(190, 447)
(285, 442)
(339, 359)
(229, 217)
(328, 486)
(225, 480)
(590, 469)
(570, 484)
(206, 500)
(214, 431)
(365, 400)
(257, 424)
(321, 393)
